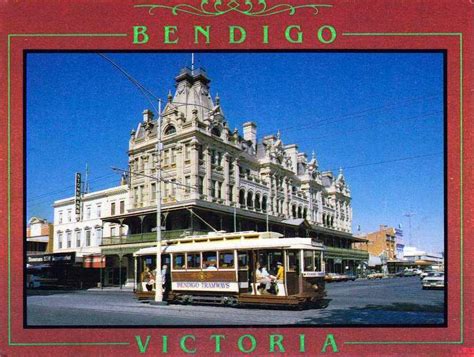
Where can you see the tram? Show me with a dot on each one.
(240, 268)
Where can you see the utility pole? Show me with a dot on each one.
(409, 215)
(158, 277)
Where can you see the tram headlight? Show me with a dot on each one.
(315, 287)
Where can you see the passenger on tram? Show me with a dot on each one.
(148, 278)
(211, 265)
(280, 277)
(263, 277)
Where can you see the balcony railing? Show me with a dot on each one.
(148, 237)
(346, 253)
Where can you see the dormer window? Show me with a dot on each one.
(170, 130)
(215, 131)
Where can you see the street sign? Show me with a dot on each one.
(77, 197)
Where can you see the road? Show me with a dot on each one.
(397, 301)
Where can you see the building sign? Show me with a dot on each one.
(52, 259)
(94, 261)
(205, 286)
(77, 197)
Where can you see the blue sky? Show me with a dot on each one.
(379, 116)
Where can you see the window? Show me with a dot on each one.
(166, 157)
(98, 235)
(243, 258)
(219, 190)
(213, 188)
(135, 195)
(213, 157)
(173, 156)
(293, 260)
(60, 240)
(88, 212)
(69, 239)
(122, 207)
(69, 215)
(153, 191)
(88, 238)
(187, 183)
(99, 210)
(215, 131)
(317, 261)
(226, 260)
(113, 231)
(178, 261)
(308, 260)
(209, 260)
(60, 218)
(201, 185)
(112, 208)
(231, 193)
(194, 260)
(170, 130)
(78, 239)
(173, 187)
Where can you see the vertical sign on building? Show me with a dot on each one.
(77, 196)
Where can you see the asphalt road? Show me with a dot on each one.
(397, 301)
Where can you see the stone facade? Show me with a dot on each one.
(204, 160)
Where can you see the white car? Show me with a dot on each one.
(434, 281)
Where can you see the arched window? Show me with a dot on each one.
(170, 130)
(264, 203)
(300, 213)
(305, 212)
(250, 199)
(215, 131)
(257, 201)
(293, 211)
(242, 197)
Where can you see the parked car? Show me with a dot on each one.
(418, 271)
(427, 273)
(435, 281)
(375, 276)
(332, 277)
(409, 272)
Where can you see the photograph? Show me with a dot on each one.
(284, 188)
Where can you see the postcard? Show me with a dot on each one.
(230, 177)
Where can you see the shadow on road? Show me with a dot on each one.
(401, 314)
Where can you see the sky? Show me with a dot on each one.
(376, 115)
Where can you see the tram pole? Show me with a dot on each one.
(158, 277)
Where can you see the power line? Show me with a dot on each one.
(311, 123)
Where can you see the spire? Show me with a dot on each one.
(313, 155)
(170, 96)
(218, 99)
(278, 134)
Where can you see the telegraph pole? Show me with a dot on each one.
(158, 277)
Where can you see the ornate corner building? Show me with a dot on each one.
(212, 175)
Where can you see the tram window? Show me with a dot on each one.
(243, 260)
(308, 260)
(209, 260)
(317, 261)
(194, 260)
(226, 260)
(293, 260)
(178, 261)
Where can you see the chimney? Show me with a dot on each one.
(250, 132)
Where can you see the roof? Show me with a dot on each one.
(263, 243)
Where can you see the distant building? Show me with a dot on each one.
(39, 236)
(380, 242)
(421, 257)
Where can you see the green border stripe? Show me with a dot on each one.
(461, 139)
(10, 343)
(127, 343)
